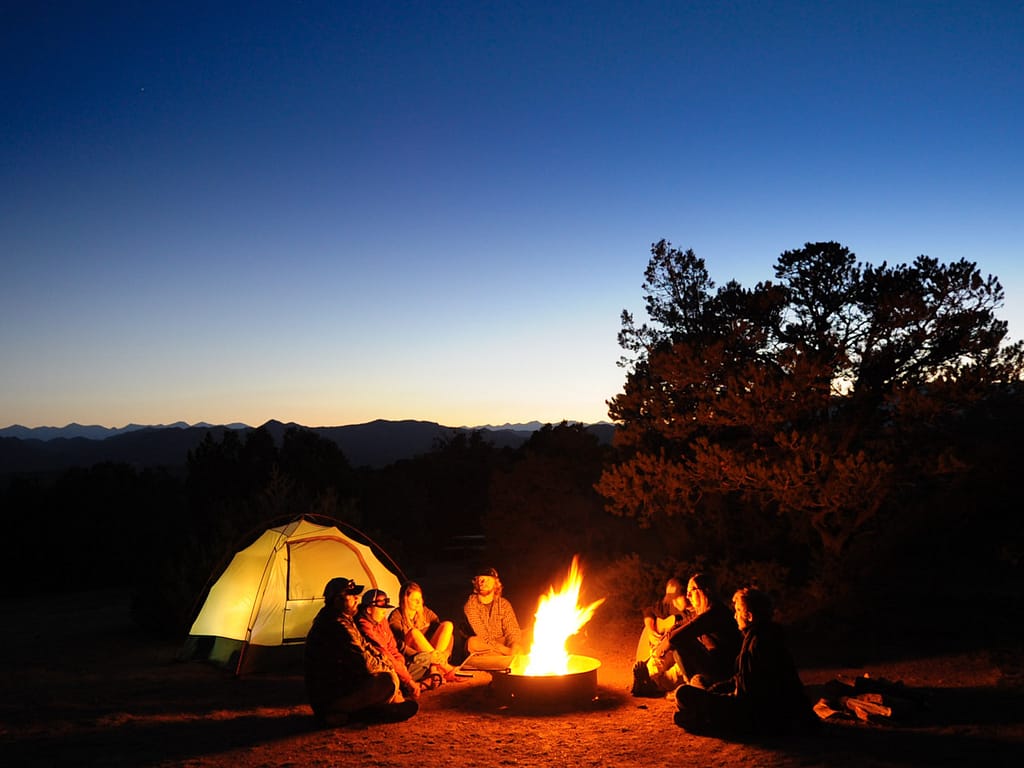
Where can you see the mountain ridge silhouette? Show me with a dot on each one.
(373, 444)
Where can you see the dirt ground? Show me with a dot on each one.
(80, 685)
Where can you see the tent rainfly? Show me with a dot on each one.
(272, 589)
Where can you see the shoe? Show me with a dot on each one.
(333, 720)
(404, 711)
(643, 686)
(688, 723)
(390, 713)
(396, 713)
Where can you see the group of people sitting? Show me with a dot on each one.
(368, 660)
(729, 671)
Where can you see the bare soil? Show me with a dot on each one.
(80, 685)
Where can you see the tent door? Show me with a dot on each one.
(310, 566)
(298, 618)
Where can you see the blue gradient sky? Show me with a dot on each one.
(331, 212)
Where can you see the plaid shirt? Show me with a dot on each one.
(494, 623)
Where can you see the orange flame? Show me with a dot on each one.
(559, 617)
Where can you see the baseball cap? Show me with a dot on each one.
(341, 586)
(376, 598)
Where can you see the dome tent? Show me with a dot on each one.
(267, 596)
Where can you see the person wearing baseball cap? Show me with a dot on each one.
(495, 636)
(341, 586)
(372, 620)
(347, 678)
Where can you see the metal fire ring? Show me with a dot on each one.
(539, 692)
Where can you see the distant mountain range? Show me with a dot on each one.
(96, 432)
(374, 444)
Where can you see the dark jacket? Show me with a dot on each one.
(338, 659)
(716, 631)
(767, 682)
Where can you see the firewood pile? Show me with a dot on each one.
(872, 700)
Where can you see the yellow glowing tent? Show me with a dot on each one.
(272, 589)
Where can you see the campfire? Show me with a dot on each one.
(549, 674)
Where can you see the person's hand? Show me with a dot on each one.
(415, 690)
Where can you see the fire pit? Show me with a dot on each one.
(577, 686)
(549, 676)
